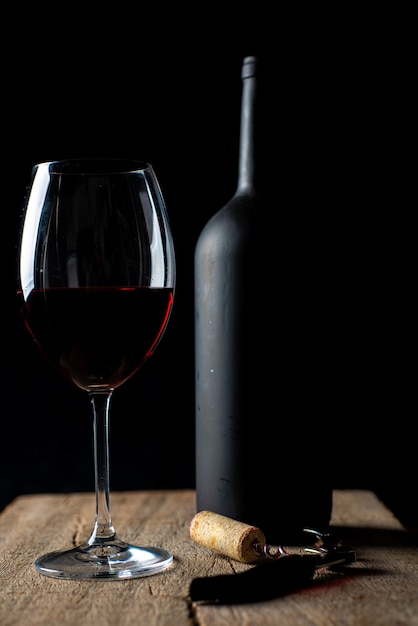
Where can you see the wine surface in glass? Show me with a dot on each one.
(98, 337)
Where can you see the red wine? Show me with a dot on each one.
(97, 337)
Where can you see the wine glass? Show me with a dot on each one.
(96, 285)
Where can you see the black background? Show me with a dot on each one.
(166, 88)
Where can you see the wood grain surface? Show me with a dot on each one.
(380, 588)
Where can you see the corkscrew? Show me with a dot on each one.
(276, 570)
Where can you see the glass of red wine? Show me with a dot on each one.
(96, 285)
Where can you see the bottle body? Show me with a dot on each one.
(257, 458)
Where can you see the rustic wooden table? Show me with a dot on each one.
(381, 587)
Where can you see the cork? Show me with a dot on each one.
(227, 536)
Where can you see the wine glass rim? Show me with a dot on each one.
(94, 165)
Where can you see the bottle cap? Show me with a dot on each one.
(249, 66)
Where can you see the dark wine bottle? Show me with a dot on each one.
(260, 455)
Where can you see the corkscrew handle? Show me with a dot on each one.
(261, 582)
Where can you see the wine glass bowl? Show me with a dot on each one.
(96, 284)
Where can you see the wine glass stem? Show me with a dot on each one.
(103, 528)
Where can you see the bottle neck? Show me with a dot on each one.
(246, 162)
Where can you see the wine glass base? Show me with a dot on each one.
(108, 561)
